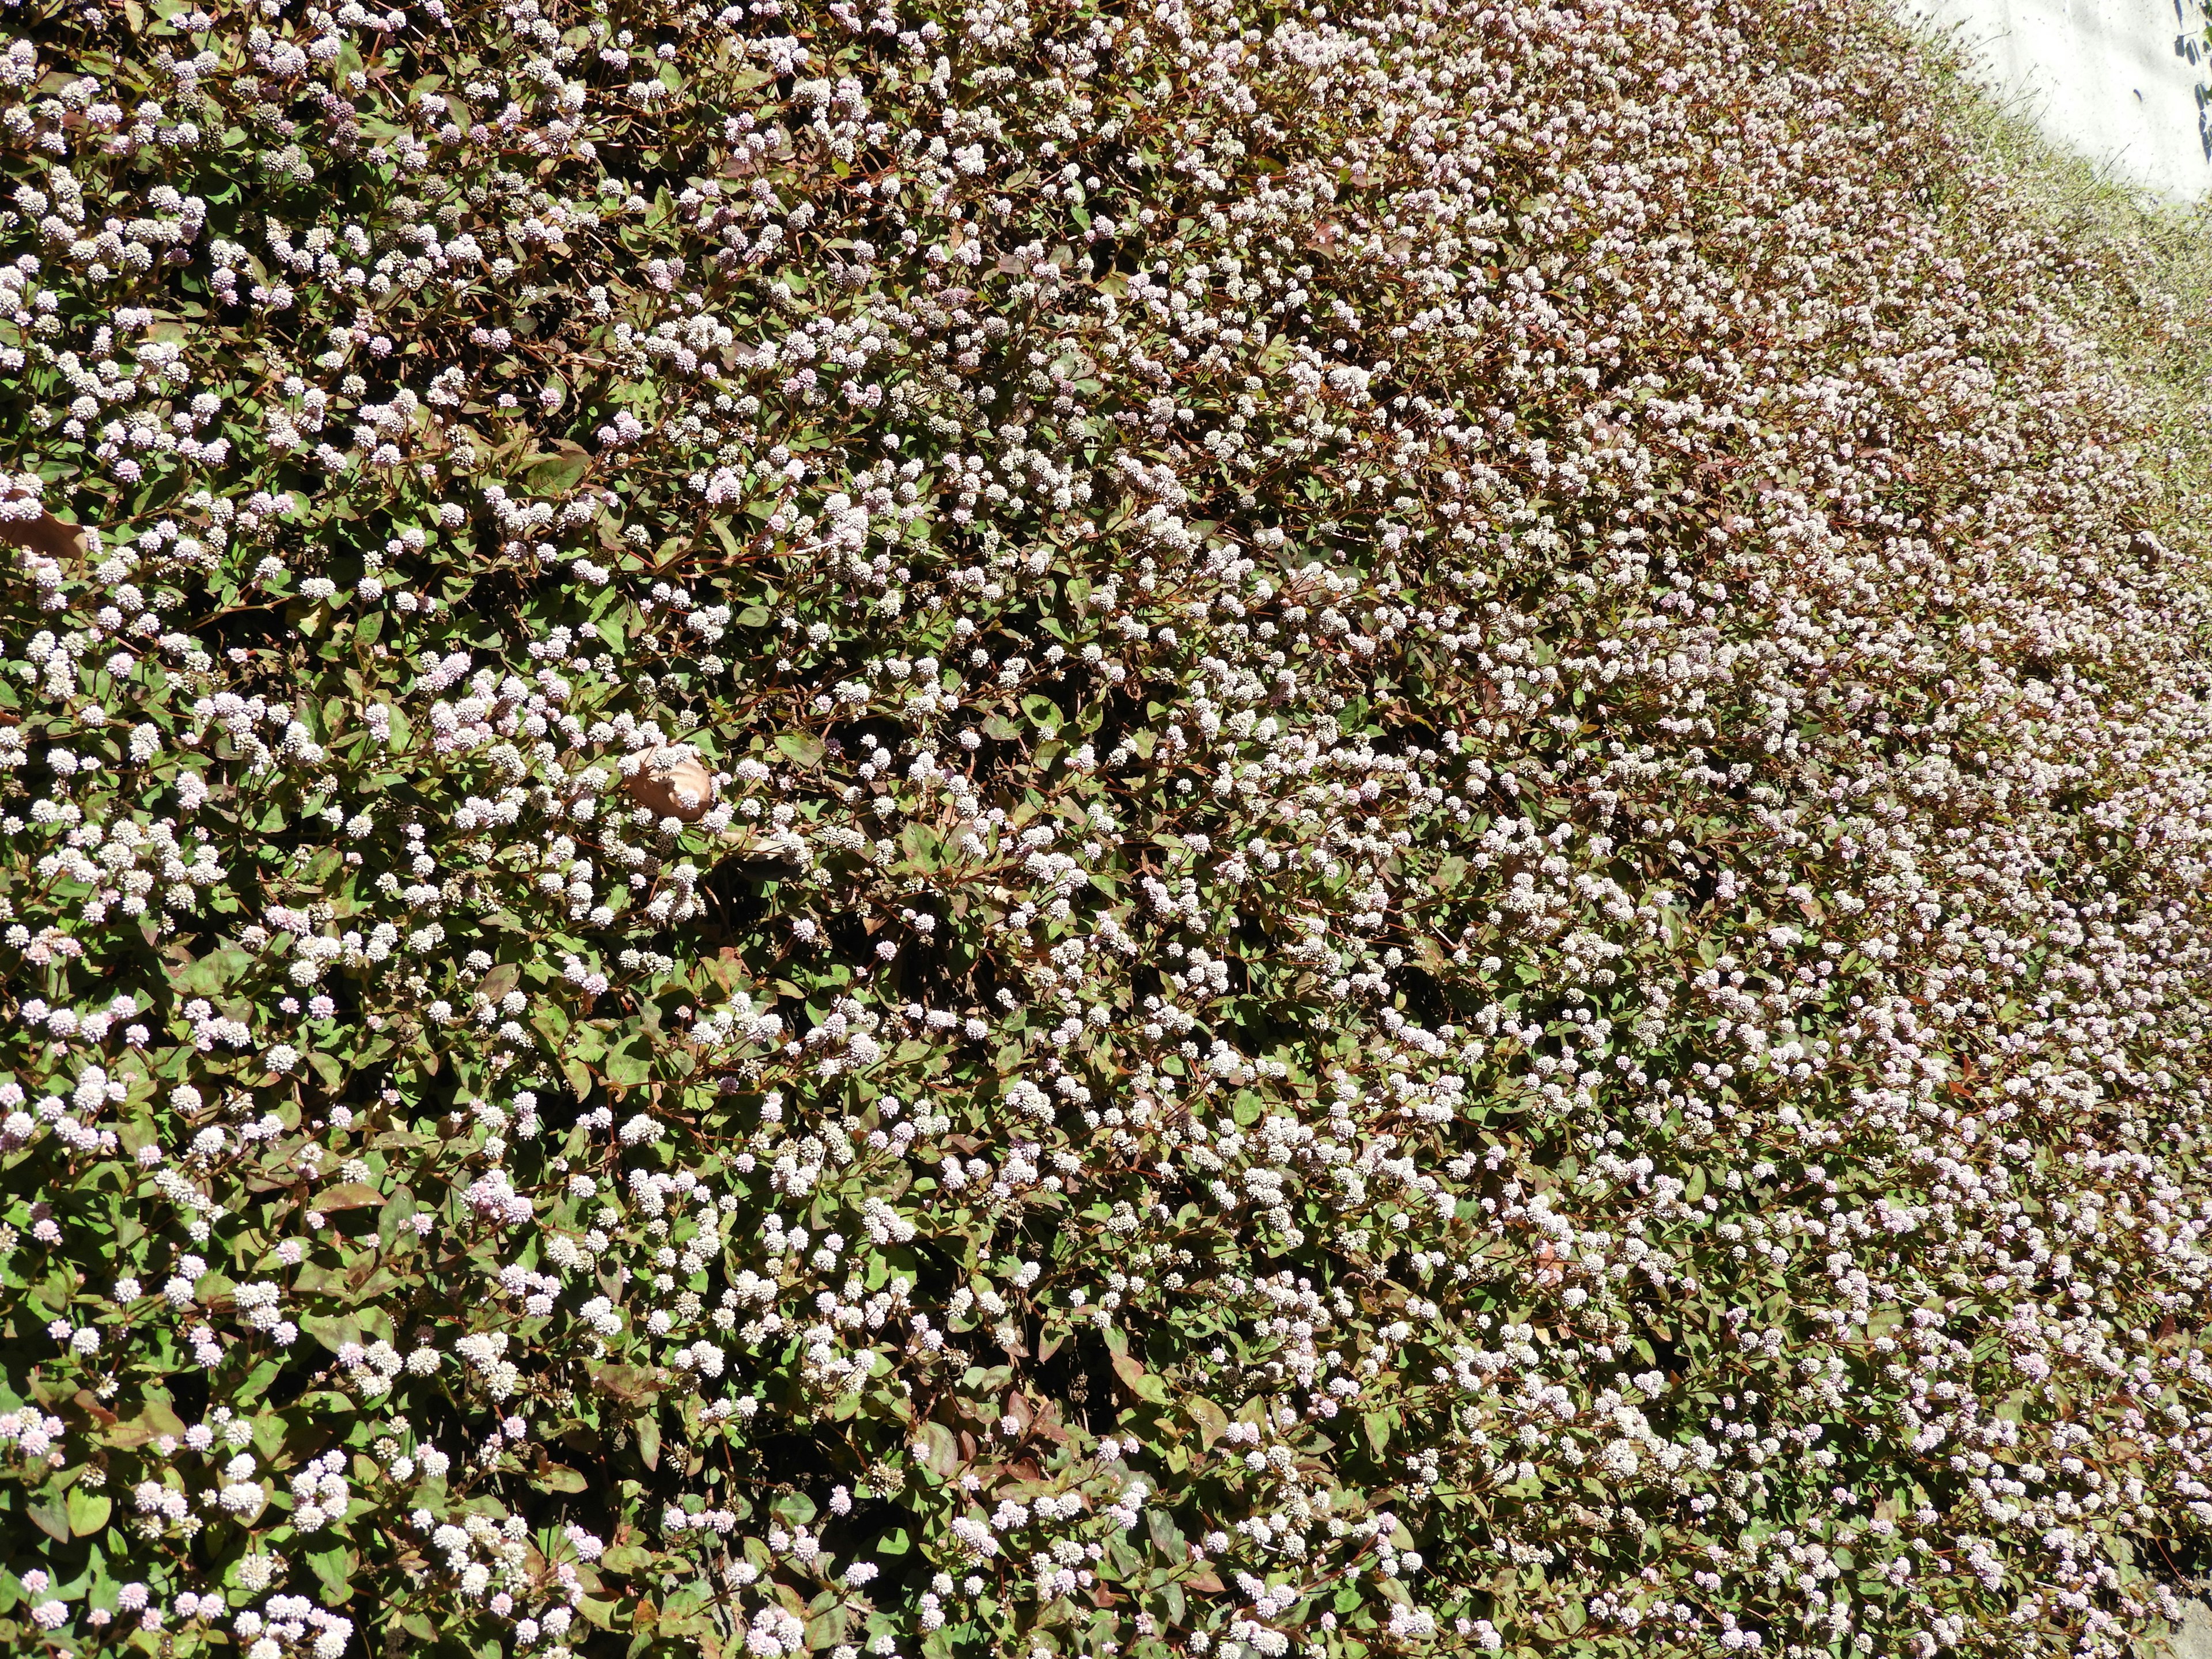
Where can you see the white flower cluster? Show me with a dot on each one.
(1316, 831)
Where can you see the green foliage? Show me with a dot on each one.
(1078, 829)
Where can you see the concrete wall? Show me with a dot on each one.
(2123, 83)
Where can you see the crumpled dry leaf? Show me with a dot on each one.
(684, 790)
(24, 524)
(56, 538)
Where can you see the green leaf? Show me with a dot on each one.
(920, 846)
(557, 470)
(347, 1195)
(1212, 1422)
(1167, 1537)
(629, 1062)
(155, 1418)
(800, 748)
(1139, 1380)
(50, 1517)
(626, 1383)
(1380, 1426)
(939, 1450)
(334, 1568)
(211, 975)
(398, 1209)
(333, 1331)
(826, 1629)
(1172, 1602)
(88, 1511)
(559, 1477)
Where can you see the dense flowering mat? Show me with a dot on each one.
(1068, 828)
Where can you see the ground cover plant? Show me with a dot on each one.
(1054, 828)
